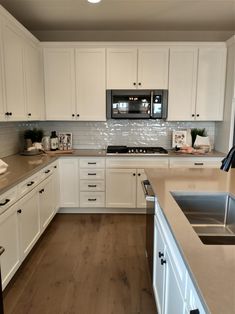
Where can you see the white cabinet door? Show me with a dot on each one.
(69, 179)
(140, 197)
(121, 68)
(159, 273)
(9, 240)
(59, 71)
(182, 83)
(34, 82)
(45, 191)
(90, 84)
(13, 45)
(29, 222)
(211, 83)
(56, 187)
(121, 188)
(153, 67)
(2, 88)
(173, 300)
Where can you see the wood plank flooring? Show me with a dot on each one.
(85, 264)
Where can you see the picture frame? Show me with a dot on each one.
(179, 138)
(65, 141)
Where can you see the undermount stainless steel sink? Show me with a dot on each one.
(212, 215)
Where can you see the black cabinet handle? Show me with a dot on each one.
(91, 199)
(30, 183)
(41, 191)
(5, 202)
(7, 114)
(2, 250)
(198, 163)
(47, 171)
(92, 185)
(19, 211)
(134, 174)
(160, 254)
(91, 174)
(194, 312)
(163, 261)
(91, 163)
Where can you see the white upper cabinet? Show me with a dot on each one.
(59, 83)
(90, 84)
(153, 67)
(13, 44)
(211, 83)
(34, 82)
(196, 83)
(142, 68)
(121, 68)
(182, 83)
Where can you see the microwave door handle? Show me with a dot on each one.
(151, 104)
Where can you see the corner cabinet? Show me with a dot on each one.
(196, 83)
(142, 68)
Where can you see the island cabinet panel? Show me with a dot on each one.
(29, 222)
(90, 84)
(173, 288)
(59, 76)
(13, 45)
(69, 182)
(9, 238)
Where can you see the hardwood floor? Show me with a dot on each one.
(85, 264)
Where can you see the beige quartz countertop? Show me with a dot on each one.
(212, 266)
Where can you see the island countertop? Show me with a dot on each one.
(212, 267)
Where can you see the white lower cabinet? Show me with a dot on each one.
(29, 222)
(9, 239)
(121, 188)
(173, 288)
(140, 197)
(69, 182)
(46, 202)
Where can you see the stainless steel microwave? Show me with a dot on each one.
(136, 104)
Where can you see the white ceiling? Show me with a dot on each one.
(154, 15)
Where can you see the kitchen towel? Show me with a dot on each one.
(3, 166)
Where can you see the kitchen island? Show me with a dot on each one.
(211, 267)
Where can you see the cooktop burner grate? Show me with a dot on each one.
(136, 150)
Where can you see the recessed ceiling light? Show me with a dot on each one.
(94, 1)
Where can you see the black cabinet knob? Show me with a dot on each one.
(194, 311)
(198, 115)
(134, 84)
(73, 115)
(163, 261)
(134, 174)
(29, 114)
(193, 115)
(139, 174)
(160, 254)
(55, 167)
(78, 115)
(19, 211)
(139, 84)
(41, 191)
(10, 113)
(6, 113)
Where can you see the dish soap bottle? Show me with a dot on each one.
(54, 141)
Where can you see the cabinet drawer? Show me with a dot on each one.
(28, 184)
(92, 174)
(195, 163)
(96, 185)
(137, 162)
(94, 199)
(7, 199)
(92, 163)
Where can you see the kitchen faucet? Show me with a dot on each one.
(229, 160)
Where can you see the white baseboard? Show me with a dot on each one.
(101, 210)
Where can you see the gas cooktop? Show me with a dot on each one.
(136, 150)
